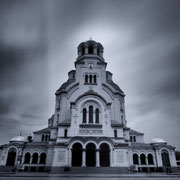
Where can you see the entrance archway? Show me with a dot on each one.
(77, 154)
(165, 158)
(90, 155)
(104, 155)
(11, 157)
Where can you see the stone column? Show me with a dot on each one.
(146, 160)
(97, 158)
(95, 50)
(139, 160)
(69, 156)
(22, 159)
(111, 157)
(94, 116)
(83, 157)
(154, 160)
(38, 159)
(86, 49)
(31, 159)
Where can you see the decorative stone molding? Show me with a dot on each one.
(90, 131)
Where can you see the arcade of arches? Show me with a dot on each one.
(90, 155)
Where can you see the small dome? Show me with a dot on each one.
(18, 139)
(158, 140)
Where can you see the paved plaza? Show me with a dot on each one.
(46, 176)
(89, 178)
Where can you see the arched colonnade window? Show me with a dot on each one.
(45, 137)
(91, 114)
(90, 79)
(35, 158)
(90, 155)
(142, 159)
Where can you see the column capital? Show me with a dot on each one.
(97, 149)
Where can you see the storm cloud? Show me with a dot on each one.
(38, 46)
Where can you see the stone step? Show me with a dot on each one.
(6, 168)
(90, 170)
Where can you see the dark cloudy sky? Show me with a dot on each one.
(38, 41)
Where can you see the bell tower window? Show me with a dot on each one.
(83, 51)
(115, 133)
(91, 114)
(94, 78)
(90, 49)
(65, 133)
(90, 79)
(86, 78)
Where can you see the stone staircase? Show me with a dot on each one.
(90, 170)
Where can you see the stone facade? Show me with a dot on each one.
(88, 127)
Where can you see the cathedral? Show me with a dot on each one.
(88, 127)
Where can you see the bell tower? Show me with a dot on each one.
(90, 48)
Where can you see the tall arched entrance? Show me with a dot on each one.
(104, 155)
(165, 158)
(90, 155)
(11, 157)
(77, 154)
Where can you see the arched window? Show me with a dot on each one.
(84, 115)
(27, 158)
(42, 137)
(65, 133)
(150, 159)
(35, 158)
(86, 78)
(97, 115)
(42, 158)
(134, 138)
(11, 159)
(90, 78)
(135, 159)
(94, 78)
(115, 133)
(90, 49)
(131, 139)
(143, 159)
(83, 51)
(90, 114)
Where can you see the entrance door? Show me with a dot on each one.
(11, 157)
(90, 155)
(77, 154)
(165, 158)
(104, 155)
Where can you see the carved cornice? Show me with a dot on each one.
(90, 125)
